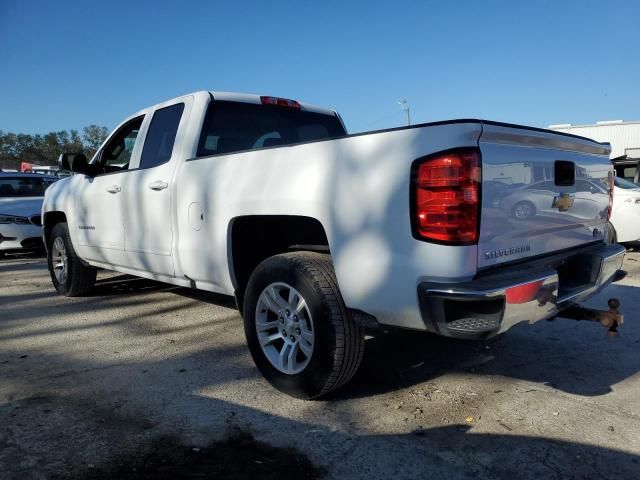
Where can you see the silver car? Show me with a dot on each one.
(541, 198)
(21, 196)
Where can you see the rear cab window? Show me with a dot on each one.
(158, 146)
(236, 126)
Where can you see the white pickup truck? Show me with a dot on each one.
(322, 236)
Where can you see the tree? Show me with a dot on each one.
(45, 149)
(93, 136)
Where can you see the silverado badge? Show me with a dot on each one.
(563, 202)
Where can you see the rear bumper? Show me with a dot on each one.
(530, 292)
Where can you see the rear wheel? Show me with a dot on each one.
(69, 275)
(298, 329)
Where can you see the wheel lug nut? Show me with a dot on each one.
(298, 331)
(293, 339)
(295, 318)
(281, 319)
(284, 333)
(287, 312)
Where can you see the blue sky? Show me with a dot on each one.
(67, 64)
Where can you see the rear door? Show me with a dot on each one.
(555, 193)
(148, 192)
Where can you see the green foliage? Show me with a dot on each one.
(93, 136)
(45, 149)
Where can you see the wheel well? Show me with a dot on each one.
(257, 237)
(49, 221)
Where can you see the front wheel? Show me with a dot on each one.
(299, 332)
(69, 275)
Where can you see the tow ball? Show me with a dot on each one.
(610, 319)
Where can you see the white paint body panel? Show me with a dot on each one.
(357, 187)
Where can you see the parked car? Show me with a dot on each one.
(625, 216)
(323, 236)
(627, 168)
(541, 198)
(21, 196)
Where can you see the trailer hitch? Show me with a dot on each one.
(610, 319)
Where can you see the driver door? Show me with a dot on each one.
(98, 205)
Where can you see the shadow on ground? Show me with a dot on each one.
(575, 357)
(240, 456)
(117, 428)
(451, 452)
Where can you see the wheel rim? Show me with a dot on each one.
(59, 260)
(523, 210)
(284, 328)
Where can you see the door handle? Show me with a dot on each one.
(158, 185)
(113, 189)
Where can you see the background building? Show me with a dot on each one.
(624, 138)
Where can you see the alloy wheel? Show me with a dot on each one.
(285, 328)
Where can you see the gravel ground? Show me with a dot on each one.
(144, 380)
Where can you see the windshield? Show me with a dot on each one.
(626, 184)
(23, 186)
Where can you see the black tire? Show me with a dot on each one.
(525, 203)
(80, 278)
(338, 338)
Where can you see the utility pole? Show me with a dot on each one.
(405, 107)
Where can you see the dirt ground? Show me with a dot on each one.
(142, 380)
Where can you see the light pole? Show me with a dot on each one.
(405, 107)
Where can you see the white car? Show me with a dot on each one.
(625, 215)
(539, 198)
(21, 196)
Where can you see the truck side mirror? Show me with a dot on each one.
(63, 161)
(75, 162)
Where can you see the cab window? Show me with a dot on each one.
(236, 126)
(161, 136)
(116, 155)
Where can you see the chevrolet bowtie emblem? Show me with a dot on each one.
(563, 202)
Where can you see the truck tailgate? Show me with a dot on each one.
(541, 192)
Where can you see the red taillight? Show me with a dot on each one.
(280, 102)
(446, 196)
